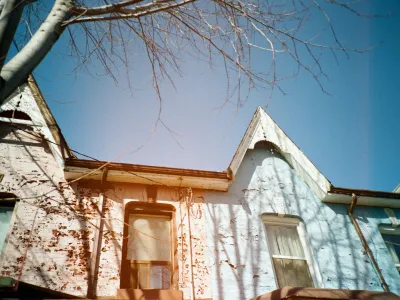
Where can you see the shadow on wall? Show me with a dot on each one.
(266, 183)
(51, 237)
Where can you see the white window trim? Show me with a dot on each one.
(389, 230)
(284, 220)
(289, 257)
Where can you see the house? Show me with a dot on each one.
(84, 228)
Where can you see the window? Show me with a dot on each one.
(391, 236)
(15, 114)
(290, 255)
(5, 220)
(148, 247)
(7, 205)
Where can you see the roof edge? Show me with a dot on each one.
(49, 118)
(364, 193)
(263, 128)
(125, 167)
(91, 171)
(244, 143)
(338, 195)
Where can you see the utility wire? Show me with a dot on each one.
(85, 155)
(40, 136)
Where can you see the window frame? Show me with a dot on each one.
(149, 209)
(5, 200)
(390, 230)
(27, 120)
(292, 221)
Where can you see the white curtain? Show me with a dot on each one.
(284, 240)
(149, 238)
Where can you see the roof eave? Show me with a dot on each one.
(340, 195)
(142, 174)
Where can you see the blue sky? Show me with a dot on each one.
(352, 136)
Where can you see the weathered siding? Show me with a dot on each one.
(52, 238)
(265, 182)
(224, 254)
(369, 219)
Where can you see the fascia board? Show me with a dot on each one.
(72, 173)
(362, 200)
(245, 142)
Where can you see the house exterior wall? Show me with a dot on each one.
(369, 219)
(53, 235)
(265, 183)
(223, 251)
(52, 238)
(49, 244)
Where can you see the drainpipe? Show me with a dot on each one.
(188, 204)
(98, 239)
(364, 242)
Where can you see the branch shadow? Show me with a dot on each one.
(266, 183)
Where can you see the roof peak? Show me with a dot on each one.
(263, 128)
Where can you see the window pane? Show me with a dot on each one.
(5, 219)
(292, 272)
(160, 277)
(284, 240)
(393, 244)
(150, 276)
(143, 276)
(149, 238)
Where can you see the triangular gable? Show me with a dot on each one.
(263, 128)
(29, 100)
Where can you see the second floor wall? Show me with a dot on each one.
(71, 237)
(242, 265)
(54, 239)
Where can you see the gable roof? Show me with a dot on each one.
(28, 100)
(263, 128)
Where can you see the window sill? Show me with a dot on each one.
(18, 121)
(138, 294)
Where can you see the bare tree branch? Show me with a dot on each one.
(104, 9)
(137, 12)
(229, 32)
(21, 66)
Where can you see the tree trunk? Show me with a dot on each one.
(16, 71)
(10, 15)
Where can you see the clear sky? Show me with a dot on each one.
(353, 136)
